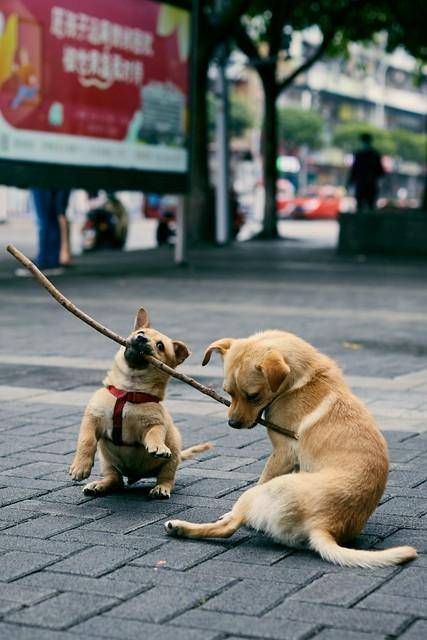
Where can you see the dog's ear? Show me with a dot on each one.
(275, 369)
(142, 319)
(181, 351)
(221, 345)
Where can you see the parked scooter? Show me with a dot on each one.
(106, 226)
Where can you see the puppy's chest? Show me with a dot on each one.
(134, 418)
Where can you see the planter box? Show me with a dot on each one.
(390, 232)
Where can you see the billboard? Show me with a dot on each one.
(99, 84)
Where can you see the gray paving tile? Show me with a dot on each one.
(248, 626)
(339, 589)
(62, 611)
(339, 617)
(15, 564)
(95, 561)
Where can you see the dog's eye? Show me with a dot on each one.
(252, 397)
(160, 346)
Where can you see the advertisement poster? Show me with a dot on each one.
(99, 83)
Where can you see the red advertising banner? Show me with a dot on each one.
(94, 83)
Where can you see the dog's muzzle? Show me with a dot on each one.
(138, 347)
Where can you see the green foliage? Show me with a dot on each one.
(398, 142)
(410, 146)
(300, 127)
(242, 116)
(347, 137)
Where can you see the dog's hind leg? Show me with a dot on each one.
(112, 481)
(223, 528)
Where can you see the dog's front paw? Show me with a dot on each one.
(80, 469)
(173, 527)
(159, 492)
(159, 450)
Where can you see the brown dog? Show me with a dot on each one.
(126, 420)
(341, 454)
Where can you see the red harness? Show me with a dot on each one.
(136, 397)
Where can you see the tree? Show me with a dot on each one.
(347, 137)
(264, 35)
(210, 27)
(409, 145)
(242, 116)
(297, 127)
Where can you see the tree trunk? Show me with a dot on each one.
(424, 198)
(270, 146)
(200, 206)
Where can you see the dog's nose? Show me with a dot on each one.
(140, 340)
(236, 424)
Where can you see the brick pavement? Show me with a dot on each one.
(73, 566)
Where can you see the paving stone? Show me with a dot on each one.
(81, 584)
(86, 511)
(124, 522)
(15, 564)
(257, 550)
(179, 554)
(341, 617)
(408, 478)
(412, 537)
(32, 470)
(62, 611)
(336, 634)
(270, 573)
(45, 526)
(248, 626)
(248, 597)
(10, 495)
(158, 604)
(225, 463)
(382, 601)
(108, 627)
(214, 487)
(411, 582)
(50, 547)
(417, 631)
(85, 537)
(339, 589)
(205, 583)
(95, 561)
(67, 495)
(20, 594)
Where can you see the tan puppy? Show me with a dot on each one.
(125, 419)
(341, 454)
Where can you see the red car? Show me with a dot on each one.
(316, 203)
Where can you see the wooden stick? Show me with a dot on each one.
(71, 307)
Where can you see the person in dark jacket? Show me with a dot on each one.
(367, 169)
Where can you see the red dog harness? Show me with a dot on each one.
(136, 397)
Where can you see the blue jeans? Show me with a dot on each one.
(49, 203)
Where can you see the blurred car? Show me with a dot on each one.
(316, 203)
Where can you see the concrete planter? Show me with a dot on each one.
(402, 232)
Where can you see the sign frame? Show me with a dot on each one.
(29, 173)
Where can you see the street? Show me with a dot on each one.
(74, 566)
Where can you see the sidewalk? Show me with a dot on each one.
(73, 567)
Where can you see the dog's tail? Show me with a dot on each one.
(198, 448)
(324, 543)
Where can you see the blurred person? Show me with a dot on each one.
(49, 205)
(365, 172)
(65, 256)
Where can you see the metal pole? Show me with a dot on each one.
(222, 200)
(181, 233)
